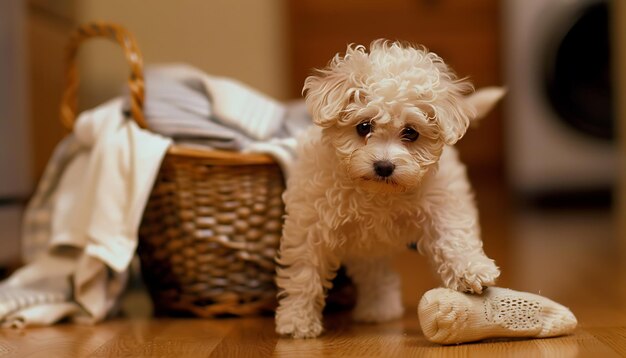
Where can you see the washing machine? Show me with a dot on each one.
(559, 118)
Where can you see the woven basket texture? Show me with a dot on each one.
(209, 236)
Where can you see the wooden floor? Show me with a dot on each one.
(569, 255)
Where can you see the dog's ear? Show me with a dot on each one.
(483, 100)
(459, 111)
(327, 95)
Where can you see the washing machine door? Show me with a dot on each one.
(577, 70)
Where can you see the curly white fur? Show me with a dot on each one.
(339, 210)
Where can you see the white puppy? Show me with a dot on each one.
(377, 172)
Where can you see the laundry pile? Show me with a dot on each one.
(196, 109)
(80, 228)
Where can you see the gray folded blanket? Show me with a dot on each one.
(179, 105)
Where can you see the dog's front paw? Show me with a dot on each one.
(298, 323)
(478, 275)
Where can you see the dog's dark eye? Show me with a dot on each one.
(364, 128)
(409, 134)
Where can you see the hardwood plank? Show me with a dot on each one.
(614, 337)
(135, 338)
(576, 345)
(255, 337)
(166, 337)
(65, 340)
(6, 348)
(345, 338)
(249, 337)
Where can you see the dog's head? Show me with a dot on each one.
(389, 112)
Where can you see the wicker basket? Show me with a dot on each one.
(213, 222)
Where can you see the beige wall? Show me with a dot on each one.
(244, 39)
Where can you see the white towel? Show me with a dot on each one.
(87, 210)
(240, 106)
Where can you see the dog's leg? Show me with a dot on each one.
(379, 296)
(452, 240)
(451, 230)
(304, 276)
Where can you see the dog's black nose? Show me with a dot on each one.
(384, 168)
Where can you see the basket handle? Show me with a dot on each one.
(69, 102)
